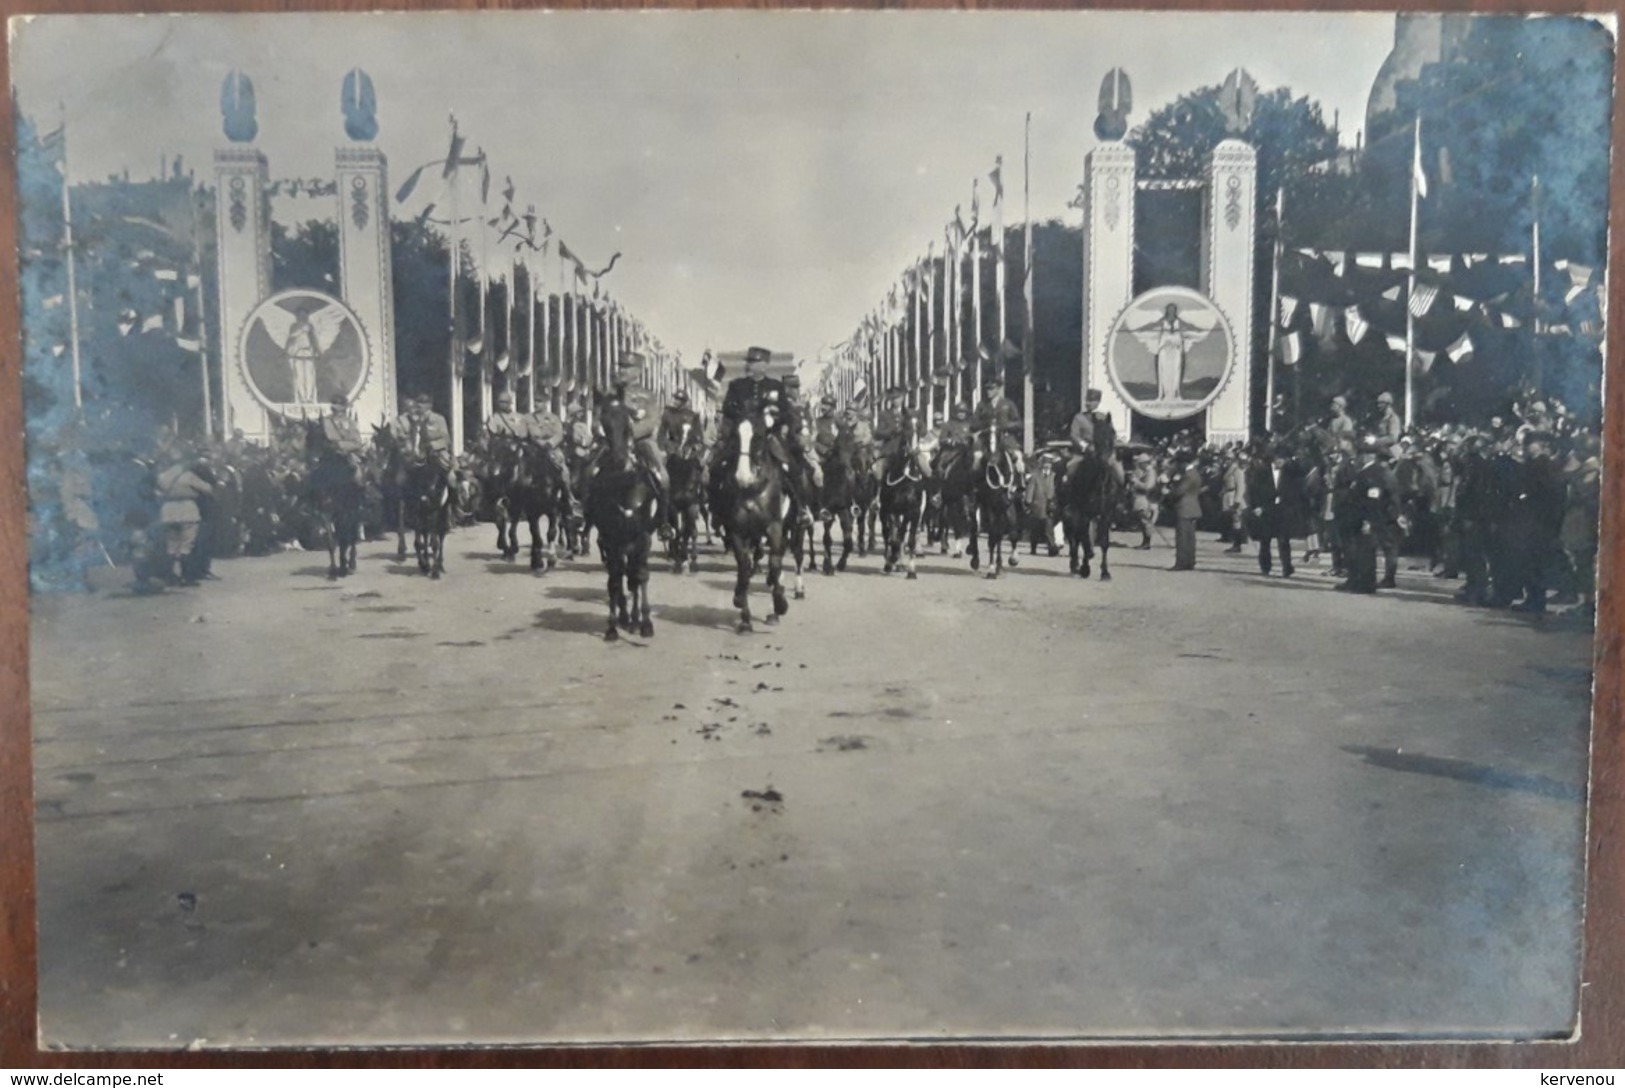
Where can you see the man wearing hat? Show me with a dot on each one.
(679, 425)
(1388, 426)
(1000, 421)
(954, 438)
(1142, 484)
(506, 422)
(629, 393)
(798, 438)
(827, 431)
(339, 429)
(892, 431)
(181, 484)
(1091, 432)
(1341, 424)
(429, 437)
(1185, 496)
(1372, 508)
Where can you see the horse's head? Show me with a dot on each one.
(616, 420)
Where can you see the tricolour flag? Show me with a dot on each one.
(153, 323)
(1424, 360)
(1462, 302)
(1396, 343)
(1461, 349)
(1356, 324)
(1368, 260)
(1289, 309)
(1439, 264)
(1292, 348)
(1393, 293)
(1510, 322)
(1419, 177)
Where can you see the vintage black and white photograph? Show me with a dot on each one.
(619, 527)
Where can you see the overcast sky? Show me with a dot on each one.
(766, 175)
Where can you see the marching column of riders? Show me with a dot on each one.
(1510, 509)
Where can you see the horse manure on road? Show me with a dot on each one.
(843, 744)
(768, 798)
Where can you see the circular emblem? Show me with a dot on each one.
(1170, 353)
(300, 349)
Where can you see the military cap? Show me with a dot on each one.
(340, 400)
(758, 355)
(826, 401)
(792, 380)
(1385, 398)
(680, 396)
(505, 397)
(1092, 397)
(896, 391)
(1341, 401)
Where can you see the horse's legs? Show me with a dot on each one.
(612, 585)
(744, 562)
(1105, 547)
(646, 626)
(911, 536)
(775, 572)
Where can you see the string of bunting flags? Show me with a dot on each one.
(1330, 293)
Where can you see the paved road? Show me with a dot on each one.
(278, 810)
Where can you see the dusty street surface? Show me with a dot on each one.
(278, 810)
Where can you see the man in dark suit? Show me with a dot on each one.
(1276, 495)
(1185, 496)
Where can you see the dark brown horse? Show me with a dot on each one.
(524, 484)
(903, 495)
(753, 507)
(336, 494)
(1088, 497)
(996, 496)
(621, 506)
(685, 467)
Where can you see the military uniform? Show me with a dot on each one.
(1142, 483)
(1000, 421)
(679, 428)
(179, 489)
(341, 434)
(1372, 513)
(1092, 432)
(893, 431)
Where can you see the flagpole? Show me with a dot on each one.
(73, 288)
(950, 262)
(1538, 367)
(1275, 316)
(486, 366)
(930, 383)
(1027, 289)
(919, 343)
(454, 246)
(1410, 295)
(202, 323)
(976, 295)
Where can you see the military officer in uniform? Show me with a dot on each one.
(1142, 485)
(1091, 432)
(892, 431)
(1341, 424)
(180, 486)
(629, 392)
(954, 437)
(827, 431)
(1388, 425)
(340, 431)
(1000, 421)
(1372, 506)
(679, 425)
(797, 427)
(431, 438)
(506, 422)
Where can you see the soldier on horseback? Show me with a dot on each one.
(753, 397)
(1093, 434)
(893, 431)
(955, 437)
(998, 422)
(639, 402)
(679, 426)
(339, 431)
(541, 428)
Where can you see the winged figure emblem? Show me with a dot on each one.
(305, 336)
(1169, 338)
